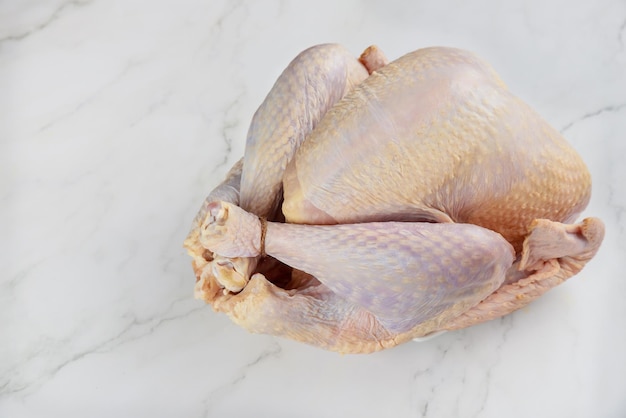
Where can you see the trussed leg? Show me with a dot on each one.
(403, 273)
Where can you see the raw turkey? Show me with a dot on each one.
(379, 202)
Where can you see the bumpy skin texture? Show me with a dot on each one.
(312, 83)
(317, 79)
(423, 197)
(451, 140)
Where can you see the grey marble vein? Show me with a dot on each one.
(55, 15)
(607, 109)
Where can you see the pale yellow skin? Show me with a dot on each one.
(446, 202)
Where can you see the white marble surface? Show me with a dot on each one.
(118, 116)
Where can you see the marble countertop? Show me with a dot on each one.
(119, 116)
